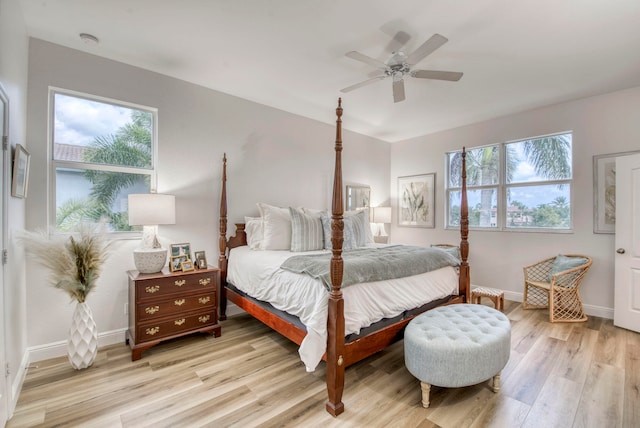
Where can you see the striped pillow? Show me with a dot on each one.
(360, 225)
(306, 231)
(349, 242)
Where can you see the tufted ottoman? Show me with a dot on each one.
(457, 345)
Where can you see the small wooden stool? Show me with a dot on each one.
(496, 296)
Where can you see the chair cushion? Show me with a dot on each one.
(562, 263)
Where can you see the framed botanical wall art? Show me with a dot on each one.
(604, 191)
(416, 200)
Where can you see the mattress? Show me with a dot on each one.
(258, 274)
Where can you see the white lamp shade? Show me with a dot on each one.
(150, 209)
(382, 214)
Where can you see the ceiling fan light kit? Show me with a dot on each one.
(399, 66)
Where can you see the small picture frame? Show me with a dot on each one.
(20, 179)
(187, 266)
(183, 249)
(176, 263)
(200, 259)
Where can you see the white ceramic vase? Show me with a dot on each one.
(82, 344)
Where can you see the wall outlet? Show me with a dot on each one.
(126, 309)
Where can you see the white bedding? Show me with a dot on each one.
(258, 274)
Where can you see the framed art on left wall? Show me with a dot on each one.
(20, 179)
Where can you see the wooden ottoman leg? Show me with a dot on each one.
(495, 383)
(426, 388)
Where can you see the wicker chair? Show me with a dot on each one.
(557, 291)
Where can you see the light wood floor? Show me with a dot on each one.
(559, 375)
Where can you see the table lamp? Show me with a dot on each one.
(381, 215)
(150, 210)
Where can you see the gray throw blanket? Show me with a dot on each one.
(373, 264)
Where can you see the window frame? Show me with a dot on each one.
(53, 164)
(502, 188)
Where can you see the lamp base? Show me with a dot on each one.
(149, 260)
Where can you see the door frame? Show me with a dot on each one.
(5, 399)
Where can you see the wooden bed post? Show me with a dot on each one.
(222, 260)
(465, 280)
(335, 321)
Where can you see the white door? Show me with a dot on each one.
(626, 312)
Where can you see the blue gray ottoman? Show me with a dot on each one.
(457, 345)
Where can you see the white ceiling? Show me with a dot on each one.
(289, 54)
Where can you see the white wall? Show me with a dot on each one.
(602, 124)
(273, 156)
(13, 75)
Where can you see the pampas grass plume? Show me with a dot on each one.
(74, 262)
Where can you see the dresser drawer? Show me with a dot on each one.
(153, 289)
(174, 325)
(163, 308)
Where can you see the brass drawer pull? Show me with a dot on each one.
(204, 318)
(205, 281)
(152, 309)
(152, 289)
(179, 322)
(179, 302)
(152, 331)
(180, 282)
(204, 300)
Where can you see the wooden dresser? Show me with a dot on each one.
(166, 305)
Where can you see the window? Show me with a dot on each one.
(101, 150)
(519, 185)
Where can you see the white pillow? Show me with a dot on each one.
(306, 231)
(276, 223)
(254, 230)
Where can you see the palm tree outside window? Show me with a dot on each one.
(102, 150)
(522, 185)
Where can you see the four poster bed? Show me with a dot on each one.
(321, 328)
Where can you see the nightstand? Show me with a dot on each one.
(167, 305)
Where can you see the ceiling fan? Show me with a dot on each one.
(399, 66)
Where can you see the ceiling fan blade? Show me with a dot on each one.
(366, 59)
(426, 48)
(398, 90)
(453, 76)
(361, 84)
(399, 40)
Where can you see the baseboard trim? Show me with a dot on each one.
(59, 349)
(592, 310)
(18, 381)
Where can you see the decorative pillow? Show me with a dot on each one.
(349, 242)
(367, 230)
(453, 250)
(361, 226)
(306, 231)
(254, 230)
(313, 212)
(562, 263)
(276, 223)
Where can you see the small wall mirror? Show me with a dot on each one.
(357, 197)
